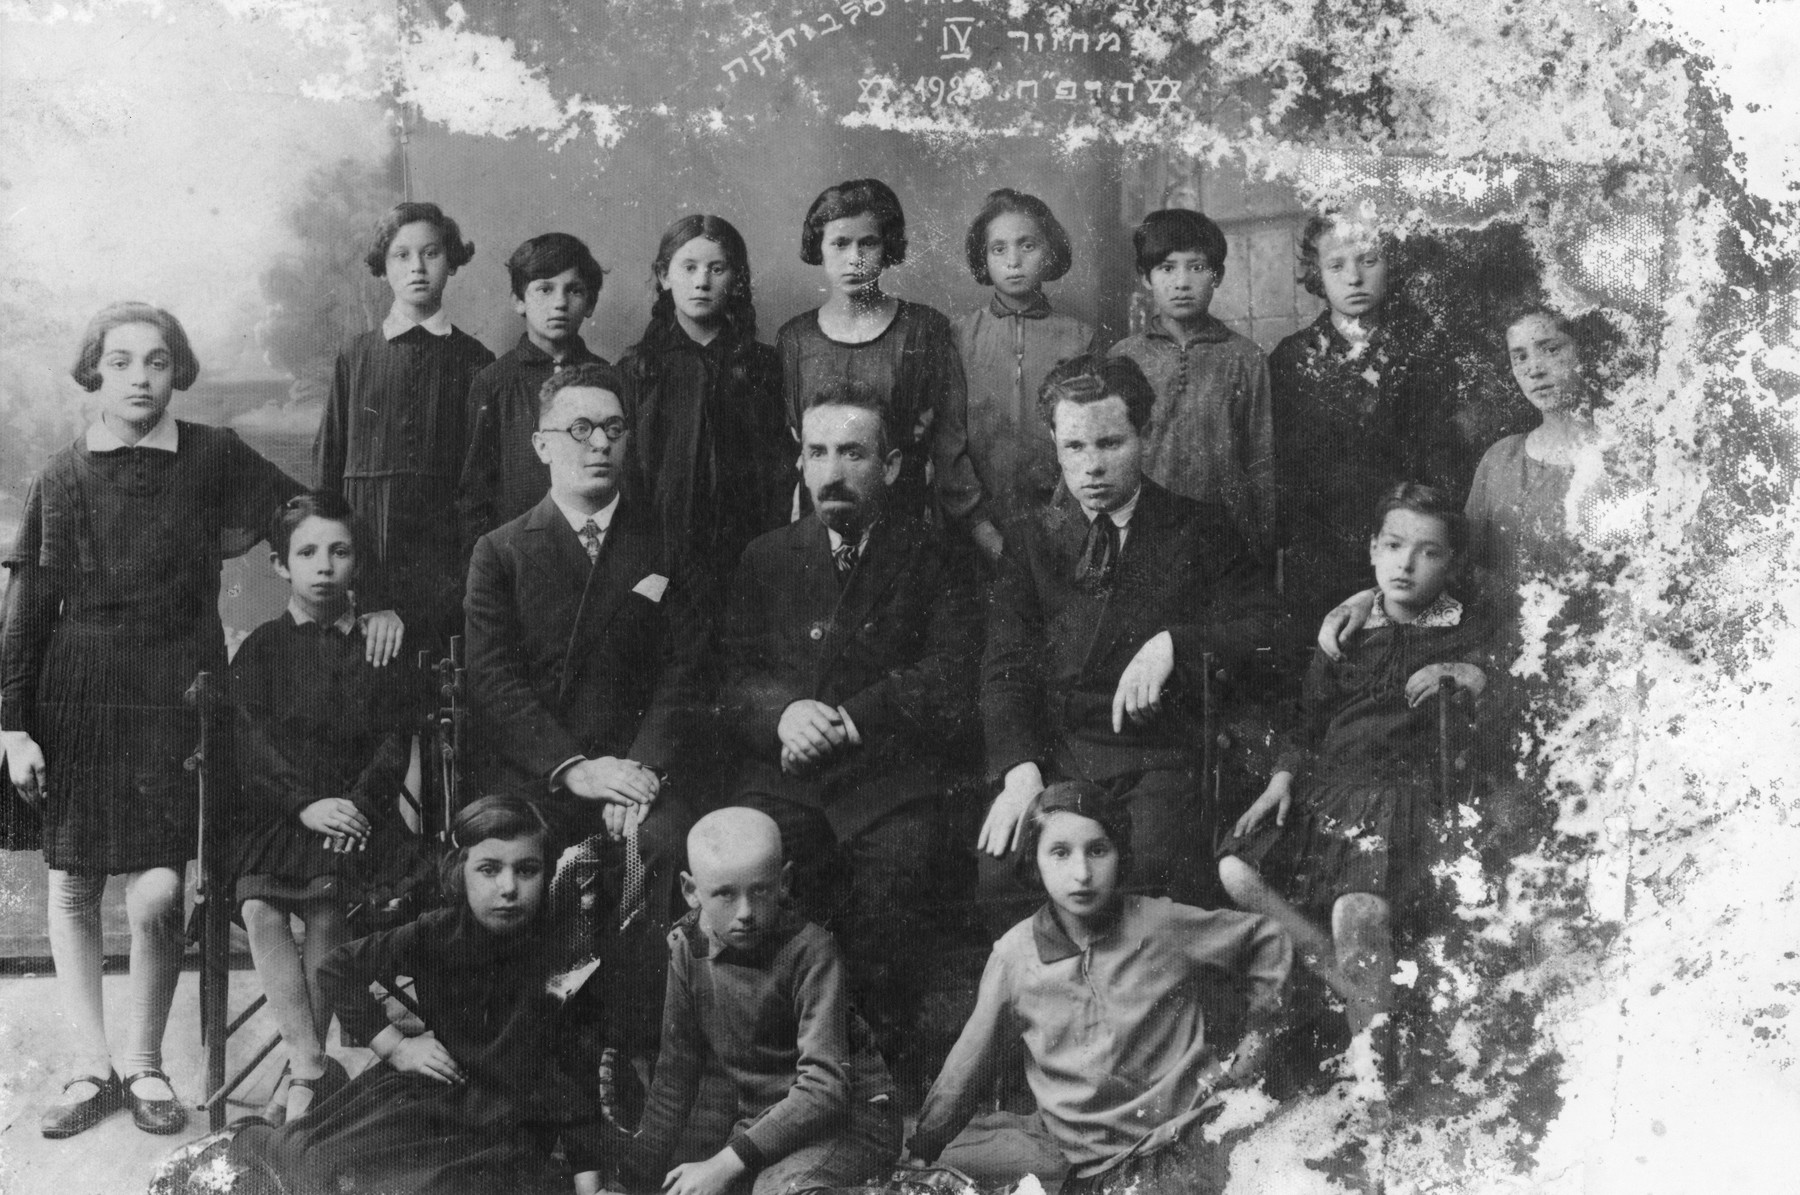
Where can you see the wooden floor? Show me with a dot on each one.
(113, 1158)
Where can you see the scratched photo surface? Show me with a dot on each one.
(1606, 1003)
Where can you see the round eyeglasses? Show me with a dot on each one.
(582, 430)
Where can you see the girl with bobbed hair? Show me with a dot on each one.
(112, 608)
(1109, 993)
(854, 232)
(1011, 343)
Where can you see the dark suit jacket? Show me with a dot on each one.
(1056, 650)
(567, 659)
(897, 648)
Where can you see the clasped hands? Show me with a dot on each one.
(627, 787)
(811, 732)
(344, 826)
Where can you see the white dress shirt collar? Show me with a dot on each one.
(1122, 515)
(602, 518)
(164, 437)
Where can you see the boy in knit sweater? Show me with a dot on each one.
(759, 995)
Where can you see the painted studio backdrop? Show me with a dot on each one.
(1612, 1002)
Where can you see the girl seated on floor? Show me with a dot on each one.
(1355, 814)
(477, 1102)
(1106, 991)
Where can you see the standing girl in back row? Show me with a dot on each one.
(395, 431)
(1009, 346)
(905, 350)
(711, 440)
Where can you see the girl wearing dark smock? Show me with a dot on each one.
(395, 430)
(1362, 401)
(906, 351)
(711, 439)
(477, 1103)
(111, 610)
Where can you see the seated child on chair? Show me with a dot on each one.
(1350, 844)
(323, 738)
(761, 993)
(1107, 992)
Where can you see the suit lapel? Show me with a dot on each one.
(1067, 528)
(625, 560)
(817, 595)
(882, 561)
(1139, 561)
(554, 549)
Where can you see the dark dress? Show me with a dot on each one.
(388, 1133)
(393, 442)
(1365, 816)
(1349, 424)
(711, 442)
(916, 368)
(113, 607)
(315, 719)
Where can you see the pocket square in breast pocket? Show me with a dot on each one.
(652, 586)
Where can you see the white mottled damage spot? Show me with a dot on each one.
(475, 83)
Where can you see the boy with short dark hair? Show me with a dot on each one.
(1211, 437)
(760, 994)
(555, 284)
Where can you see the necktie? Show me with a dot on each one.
(631, 894)
(590, 539)
(845, 555)
(1100, 554)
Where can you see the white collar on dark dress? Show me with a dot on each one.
(164, 437)
(1445, 612)
(398, 323)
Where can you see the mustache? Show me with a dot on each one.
(835, 491)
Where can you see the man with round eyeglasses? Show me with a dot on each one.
(585, 636)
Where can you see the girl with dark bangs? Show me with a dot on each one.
(907, 351)
(112, 607)
(479, 1100)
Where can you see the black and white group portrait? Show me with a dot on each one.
(1118, 597)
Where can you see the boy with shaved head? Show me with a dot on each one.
(760, 993)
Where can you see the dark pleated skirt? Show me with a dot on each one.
(116, 735)
(1348, 836)
(276, 859)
